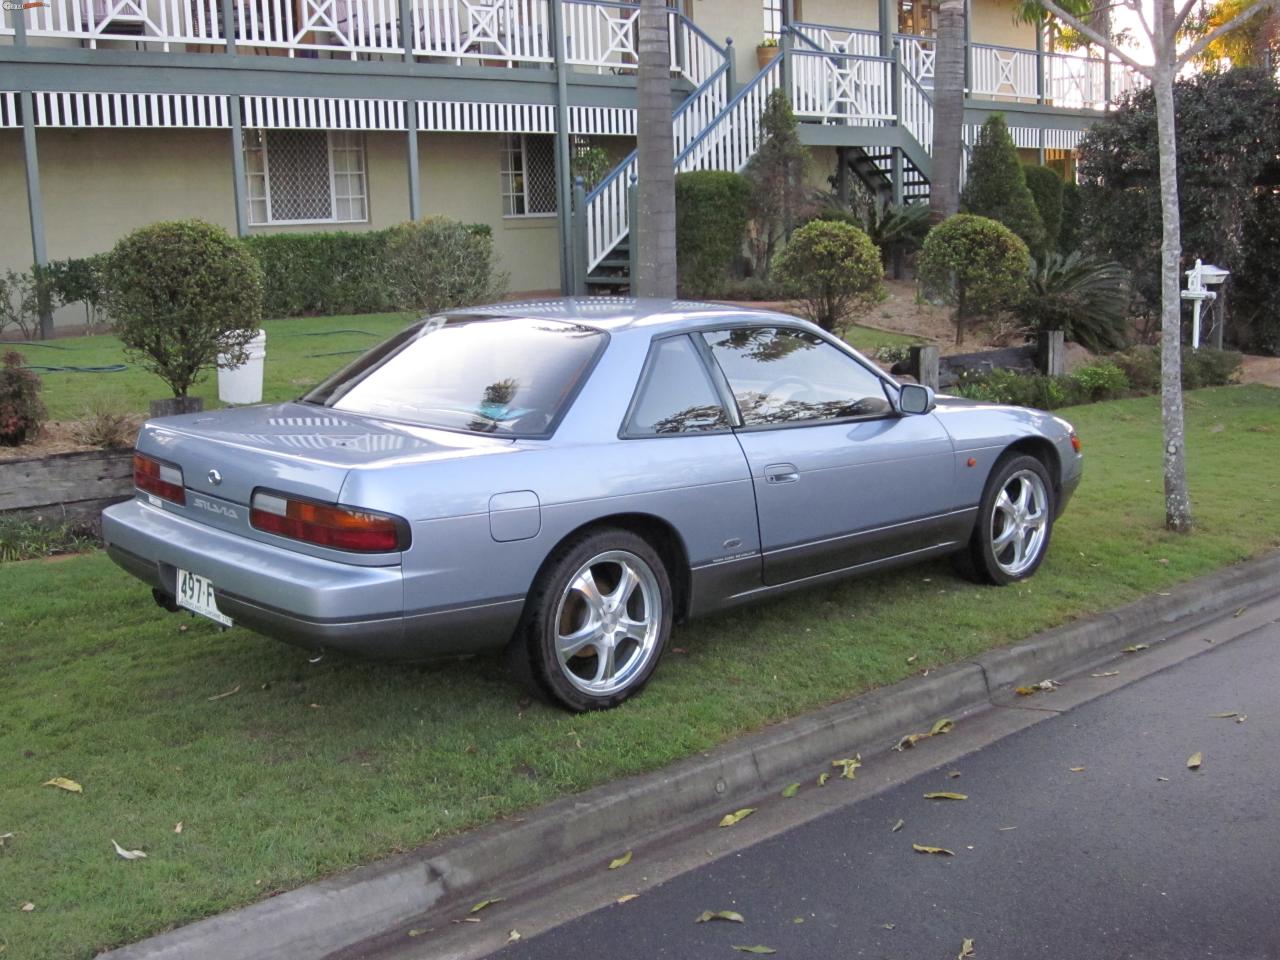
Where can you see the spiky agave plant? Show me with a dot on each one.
(1085, 296)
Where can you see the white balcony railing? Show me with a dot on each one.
(842, 88)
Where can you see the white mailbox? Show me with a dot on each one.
(1199, 279)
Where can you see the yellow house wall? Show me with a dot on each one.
(97, 185)
(992, 22)
(862, 14)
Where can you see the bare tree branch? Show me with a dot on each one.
(1093, 35)
(1181, 18)
(1233, 24)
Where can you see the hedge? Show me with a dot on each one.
(711, 221)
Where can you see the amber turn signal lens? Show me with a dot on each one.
(1075, 443)
(328, 525)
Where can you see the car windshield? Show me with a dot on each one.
(511, 377)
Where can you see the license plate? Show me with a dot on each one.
(196, 594)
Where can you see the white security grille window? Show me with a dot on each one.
(528, 175)
(305, 176)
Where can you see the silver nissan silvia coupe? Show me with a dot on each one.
(567, 478)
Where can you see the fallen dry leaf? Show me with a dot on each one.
(1077, 769)
(966, 950)
(1109, 673)
(466, 920)
(27, 907)
(177, 827)
(1135, 647)
(483, 904)
(1163, 779)
(730, 915)
(945, 725)
(1224, 716)
(897, 826)
(953, 774)
(913, 658)
(62, 783)
(848, 767)
(124, 854)
(791, 790)
(1242, 718)
(729, 819)
(1240, 612)
(4, 837)
(1025, 691)
(513, 936)
(823, 778)
(621, 861)
(416, 932)
(626, 898)
(756, 949)
(909, 741)
(945, 795)
(230, 693)
(1194, 761)
(887, 926)
(921, 848)
(1006, 828)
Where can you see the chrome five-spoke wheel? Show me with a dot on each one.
(1020, 523)
(598, 620)
(608, 622)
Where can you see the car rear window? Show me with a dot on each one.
(506, 376)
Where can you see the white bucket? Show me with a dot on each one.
(243, 384)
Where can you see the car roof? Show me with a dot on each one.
(615, 314)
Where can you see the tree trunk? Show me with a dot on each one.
(655, 233)
(948, 111)
(1176, 499)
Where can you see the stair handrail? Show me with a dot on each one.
(606, 205)
(915, 109)
(767, 80)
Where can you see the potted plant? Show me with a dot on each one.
(767, 51)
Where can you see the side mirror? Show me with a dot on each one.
(915, 399)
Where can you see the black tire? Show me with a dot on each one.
(553, 606)
(980, 561)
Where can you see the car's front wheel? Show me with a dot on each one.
(1015, 519)
(598, 621)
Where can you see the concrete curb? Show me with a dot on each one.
(347, 909)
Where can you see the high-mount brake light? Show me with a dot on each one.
(161, 479)
(328, 525)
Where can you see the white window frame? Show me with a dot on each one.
(349, 141)
(516, 143)
(772, 10)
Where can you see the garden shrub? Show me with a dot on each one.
(834, 269)
(976, 264)
(106, 427)
(996, 186)
(1255, 289)
(777, 175)
(80, 280)
(21, 297)
(1101, 381)
(1071, 231)
(180, 293)
(711, 221)
(1085, 297)
(21, 412)
(1045, 185)
(1021, 389)
(307, 274)
(756, 288)
(439, 263)
(1205, 367)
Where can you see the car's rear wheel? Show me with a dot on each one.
(598, 621)
(1015, 519)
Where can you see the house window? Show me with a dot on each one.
(918, 17)
(772, 19)
(305, 176)
(528, 175)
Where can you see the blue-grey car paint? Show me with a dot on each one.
(485, 512)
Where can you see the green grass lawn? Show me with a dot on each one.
(311, 769)
(300, 353)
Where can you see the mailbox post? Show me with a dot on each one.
(1199, 279)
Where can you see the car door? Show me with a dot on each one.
(840, 477)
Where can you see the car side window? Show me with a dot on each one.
(675, 393)
(782, 375)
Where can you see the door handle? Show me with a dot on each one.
(781, 473)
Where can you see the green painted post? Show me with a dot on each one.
(731, 73)
(633, 222)
(35, 206)
(228, 26)
(885, 14)
(1040, 65)
(407, 39)
(569, 281)
(237, 167)
(579, 237)
(784, 42)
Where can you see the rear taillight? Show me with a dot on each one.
(159, 478)
(327, 525)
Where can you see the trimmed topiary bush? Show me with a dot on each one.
(21, 412)
(308, 274)
(711, 222)
(1071, 231)
(439, 263)
(180, 293)
(997, 187)
(976, 264)
(1045, 185)
(834, 268)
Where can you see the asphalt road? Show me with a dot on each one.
(1134, 856)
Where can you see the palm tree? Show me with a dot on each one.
(654, 233)
(948, 111)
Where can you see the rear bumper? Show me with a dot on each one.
(307, 601)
